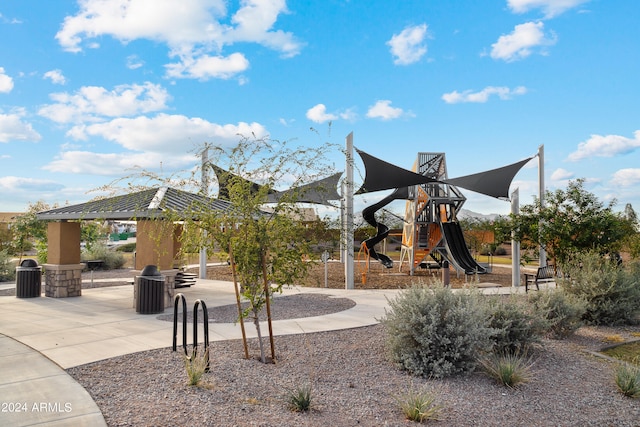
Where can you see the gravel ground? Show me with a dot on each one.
(353, 384)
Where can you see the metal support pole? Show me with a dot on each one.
(515, 246)
(543, 253)
(348, 217)
(204, 187)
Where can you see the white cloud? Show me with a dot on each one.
(13, 128)
(92, 103)
(521, 42)
(6, 82)
(550, 8)
(482, 96)
(134, 62)
(561, 175)
(626, 177)
(55, 76)
(168, 134)
(105, 164)
(383, 110)
(605, 146)
(318, 114)
(408, 46)
(205, 67)
(17, 184)
(193, 30)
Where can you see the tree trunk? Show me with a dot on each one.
(256, 322)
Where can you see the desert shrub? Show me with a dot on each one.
(509, 369)
(7, 267)
(433, 332)
(112, 259)
(611, 291)
(516, 324)
(419, 405)
(562, 311)
(127, 247)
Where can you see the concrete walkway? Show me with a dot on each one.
(40, 337)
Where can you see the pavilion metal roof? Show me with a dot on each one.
(150, 203)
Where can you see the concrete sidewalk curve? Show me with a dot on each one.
(36, 391)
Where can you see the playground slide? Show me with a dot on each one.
(458, 248)
(368, 214)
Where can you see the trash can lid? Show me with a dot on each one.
(150, 270)
(28, 263)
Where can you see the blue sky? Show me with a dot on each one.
(90, 89)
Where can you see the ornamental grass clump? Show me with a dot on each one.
(196, 366)
(627, 379)
(508, 369)
(299, 398)
(434, 332)
(420, 405)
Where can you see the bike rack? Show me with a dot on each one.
(205, 317)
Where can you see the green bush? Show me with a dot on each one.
(562, 311)
(7, 267)
(611, 291)
(517, 326)
(127, 247)
(433, 332)
(112, 259)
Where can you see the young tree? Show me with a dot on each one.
(573, 220)
(265, 241)
(28, 229)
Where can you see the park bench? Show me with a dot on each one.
(544, 274)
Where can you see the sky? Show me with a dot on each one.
(91, 90)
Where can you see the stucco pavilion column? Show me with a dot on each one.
(158, 243)
(63, 270)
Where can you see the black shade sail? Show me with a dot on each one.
(494, 182)
(381, 175)
(226, 178)
(319, 192)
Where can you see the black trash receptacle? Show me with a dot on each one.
(28, 279)
(150, 291)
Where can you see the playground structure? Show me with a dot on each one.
(431, 233)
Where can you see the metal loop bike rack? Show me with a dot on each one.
(205, 318)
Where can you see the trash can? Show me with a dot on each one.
(28, 279)
(149, 291)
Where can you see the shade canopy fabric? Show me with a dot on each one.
(224, 180)
(381, 175)
(494, 182)
(318, 192)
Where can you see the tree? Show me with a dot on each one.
(573, 220)
(27, 228)
(267, 247)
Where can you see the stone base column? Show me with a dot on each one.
(62, 281)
